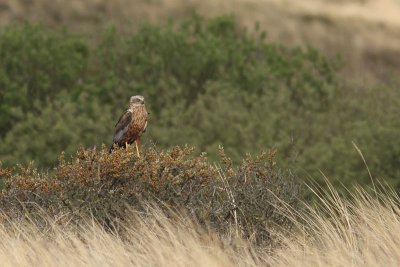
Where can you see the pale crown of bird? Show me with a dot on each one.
(136, 100)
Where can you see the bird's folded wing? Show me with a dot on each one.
(122, 126)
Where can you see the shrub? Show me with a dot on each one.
(207, 82)
(60, 124)
(106, 185)
(36, 65)
(175, 67)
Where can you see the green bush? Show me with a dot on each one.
(60, 126)
(248, 197)
(206, 83)
(36, 65)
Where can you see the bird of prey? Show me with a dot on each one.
(131, 124)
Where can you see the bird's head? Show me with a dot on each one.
(136, 100)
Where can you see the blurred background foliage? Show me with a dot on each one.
(207, 82)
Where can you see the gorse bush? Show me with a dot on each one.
(247, 198)
(206, 82)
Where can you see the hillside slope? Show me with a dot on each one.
(365, 32)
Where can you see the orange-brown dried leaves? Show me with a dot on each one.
(261, 165)
(226, 162)
(24, 181)
(125, 173)
(6, 173)
(102, 184)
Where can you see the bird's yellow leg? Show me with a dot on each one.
(137, 148)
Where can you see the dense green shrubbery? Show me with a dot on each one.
(206, 82)
(248, 197)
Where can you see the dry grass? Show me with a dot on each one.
(365, 32)
(155, 241)
(362, 232)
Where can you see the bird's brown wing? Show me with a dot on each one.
(122, 126)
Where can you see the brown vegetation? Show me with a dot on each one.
(106, 186)
(338, 232)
